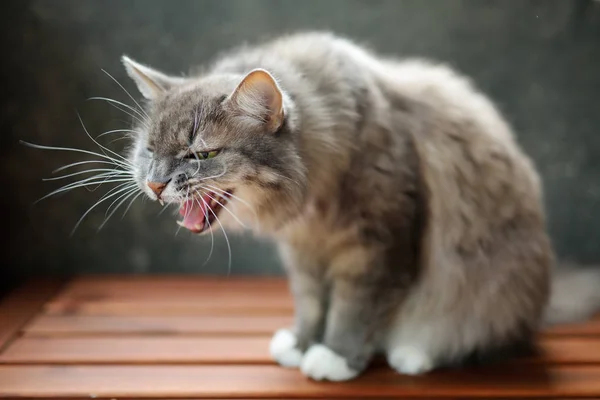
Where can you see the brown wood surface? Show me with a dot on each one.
(175, 296)
(274, 382)
(586, 328)
(21, 305)
(108, 325)
(77, 325)
(190, 337)
(220, 350)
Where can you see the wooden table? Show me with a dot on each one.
(191, 337)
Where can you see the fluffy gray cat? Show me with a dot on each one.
(410, 222)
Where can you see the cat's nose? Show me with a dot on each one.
(157, 187)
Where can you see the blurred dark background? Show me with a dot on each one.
(540, 60)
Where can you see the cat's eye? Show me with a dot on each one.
(203, 155)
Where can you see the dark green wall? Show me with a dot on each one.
(539, 59)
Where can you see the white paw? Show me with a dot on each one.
(283, 349)
(320, 362)
(410, 361)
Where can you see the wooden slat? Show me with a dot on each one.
(162, 337)
(230, 306)
(173, 297)
(180, 287)
(81, 325)
(274, 382)
(161, 279)
(21, 305)
(77, 325)
(568, 351)
(138, 350)
(583, 328)
(213, 350)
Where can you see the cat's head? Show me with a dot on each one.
(221, 147)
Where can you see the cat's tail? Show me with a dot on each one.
(575, 295)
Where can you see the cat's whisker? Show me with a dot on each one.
(131, 186)
(197, 160)
(115, 188)
(87, 171)
(187, 213)
(228, 194)
(126, 165)
(102, 200)
(225, 208)
(131, 203)
(123, 198)
(197, 180)
(126, 161)
(126, 112)
(90, 186)
(186, 200)
(224, 234)
(101, 177)
(92, 181)
(112, 204)
(141, 109)
(119, 103)
(118, 131)
(212, 236)
(165, 207)
(82, 163)
(109, 179)
(117, 139)
(195, 129)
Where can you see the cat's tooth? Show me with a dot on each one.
(180, 223)
(161, 202)
(199, 227)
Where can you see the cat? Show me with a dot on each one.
(410, 222)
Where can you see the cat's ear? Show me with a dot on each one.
(258, 96)
(150, 82)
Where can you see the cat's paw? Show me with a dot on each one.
(322, 363)
(410, 360)
(283, 349)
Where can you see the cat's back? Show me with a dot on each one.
(484, 194)
(474, 167)
(468, 148)
(463, 138)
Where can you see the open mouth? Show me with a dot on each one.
(200, 212)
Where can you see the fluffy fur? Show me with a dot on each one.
(409, 220)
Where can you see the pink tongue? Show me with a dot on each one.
(193, 212)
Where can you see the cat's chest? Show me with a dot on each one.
(316, 231)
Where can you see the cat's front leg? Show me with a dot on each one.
(288, 345)
(359, 310)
